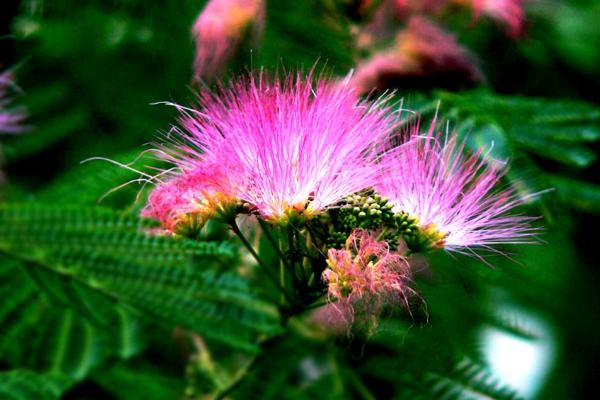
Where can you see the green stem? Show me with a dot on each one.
(260, 262)
(312, 236)
(292, 252)
(282, 266)
(361, 388)
(271, 239)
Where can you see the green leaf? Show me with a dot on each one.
(59, 339)
(21, 384)
(560, 133)
(468, 380)
(178, 280)
(555, 129)
(140, 380)
(573, 155)
(295, 368)
(300, 33)
(580, 195)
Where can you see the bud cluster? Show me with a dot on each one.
(365, 210)
(370, 211)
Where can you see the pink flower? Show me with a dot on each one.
(10, 119)
(184, 202)
(220, 29)
(422, 49)
(388, 14)
(507, 12)
(289, 148)
(452, 196)
(367, 270)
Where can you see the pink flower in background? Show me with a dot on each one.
(388, 16)
(509, 13)
(422, 49)
(453, 196)
(10, 118)
(292, 147)
(366, 269)
(220, 29)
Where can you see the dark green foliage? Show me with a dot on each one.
(60, 340)
(175, 279)
(134, 380)
(24, 385)
(94, 306)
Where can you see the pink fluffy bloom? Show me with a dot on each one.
(366, 269)
(10, 119)
(288, 147)
(453, 196)
(187, 200)
(220, 29)
(422, 49)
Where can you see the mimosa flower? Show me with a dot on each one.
(452, 197)
(220, 29)
(366, 269)
(183, 203)
(292, 147)
(509, 13)
(422, 49)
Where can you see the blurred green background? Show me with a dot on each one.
(90, 72)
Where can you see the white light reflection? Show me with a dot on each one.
(520, 362)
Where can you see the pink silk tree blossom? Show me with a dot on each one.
(366, 269)
(422, 49)
(508, 13)
(454, 197)
(287, 147)
(220, 29)
(190, 198)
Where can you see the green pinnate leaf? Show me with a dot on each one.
(177, 280)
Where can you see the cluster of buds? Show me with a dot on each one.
(369, 211)
(364, 210)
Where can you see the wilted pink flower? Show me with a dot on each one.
(220, 29)
(422, 49)
(10, 119)
(366, 271)
(453, 196)
(288, 147)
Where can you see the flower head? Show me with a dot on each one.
(184, 202)
(220, 29)
(10, 119)
(366, 269)
(289, 148)
(451, 197)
